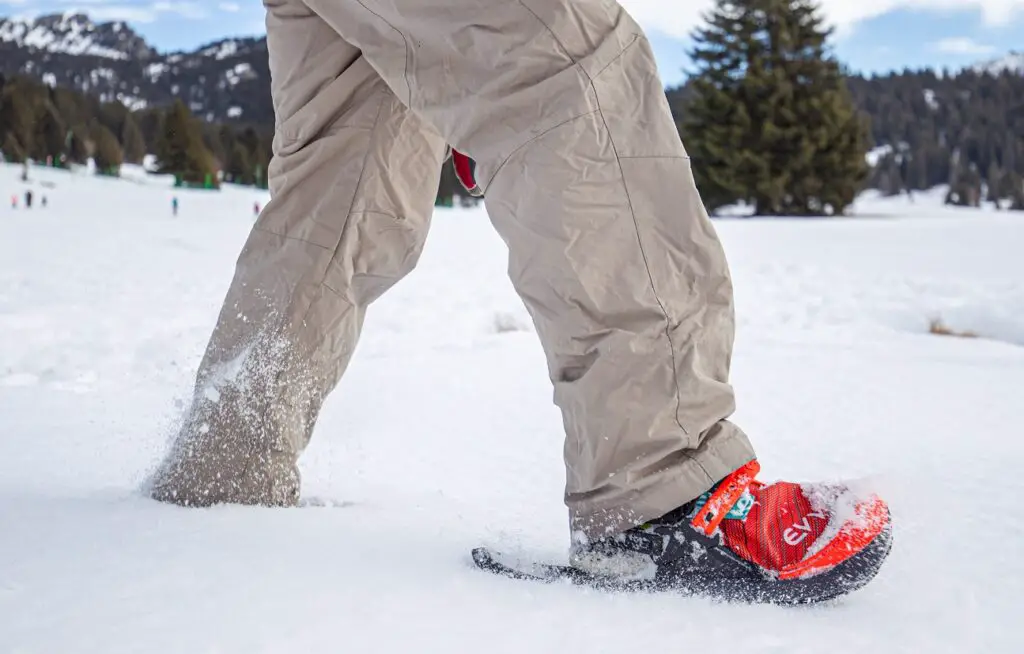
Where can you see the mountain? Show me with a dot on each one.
(74, 34)
(1013, 62)
(927, 128)
(225, 81)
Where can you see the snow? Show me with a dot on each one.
(1013, 62)
(877, 154)
(155, 70)
(239, 73)
(75, 35)
(221, 50)
(442, 436)
(132, 102)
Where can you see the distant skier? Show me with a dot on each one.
(28, 199)
(174, 206)
(560, 104)
(256, 210)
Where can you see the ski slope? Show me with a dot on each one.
(442, 436)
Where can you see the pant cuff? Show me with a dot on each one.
(720, 455)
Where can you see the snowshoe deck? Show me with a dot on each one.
(837, 582)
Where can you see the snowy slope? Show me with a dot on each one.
(74, 34)
(1013, 62)
(442, 436)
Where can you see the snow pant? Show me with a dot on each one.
(586, 180)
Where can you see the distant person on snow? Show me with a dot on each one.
(174, 206)
(561, 107)
(28, 199)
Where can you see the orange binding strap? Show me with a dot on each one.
(724, 498)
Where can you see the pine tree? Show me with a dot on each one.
(994, 183)
(257, 150)
(15, 123)
(180, 149)
(239, 168)
(50, 138)
(11, 149)
(886, 176)
(132, 142)
(108, 155)
(78, 146)
(1014, 187)
(770, 121)
(964, 185)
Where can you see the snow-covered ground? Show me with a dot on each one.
(442, 436)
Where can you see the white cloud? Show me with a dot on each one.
(679, 17)
(675, 18)
(141, 12)
(126, 13)
(962, 45)
(186, 9)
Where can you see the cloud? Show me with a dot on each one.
(139, 12)
(679, 17)
(674, 18)
(962, 45)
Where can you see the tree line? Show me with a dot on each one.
(964, 129)
(770, 118)
(61, 127)
(773, 120)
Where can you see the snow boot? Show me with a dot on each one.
(745, 541)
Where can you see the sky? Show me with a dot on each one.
(871, 35)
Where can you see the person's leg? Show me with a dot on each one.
(561, 105)
(353, 181)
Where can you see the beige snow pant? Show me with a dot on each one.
(560, 104)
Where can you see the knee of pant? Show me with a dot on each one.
(376, 251)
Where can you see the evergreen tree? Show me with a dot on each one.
(964, 184)
(887, 176)
(257, 148)
(994, 184)
(1014, 186)
(79, 148)
(239, 168)
(11, 148)
(132, 142)
(16, 123)
(180, 149)
(50, 137)
(108, 155)
(770, 120)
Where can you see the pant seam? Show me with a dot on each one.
(526, 143)
(358, 186)
(629, 200)
(647, 266)
(554, 36)
(341, 239)
(264, 230)
(408, 50)
(636, 38)
(655, 156)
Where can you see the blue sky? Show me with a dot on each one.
(873, 35)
